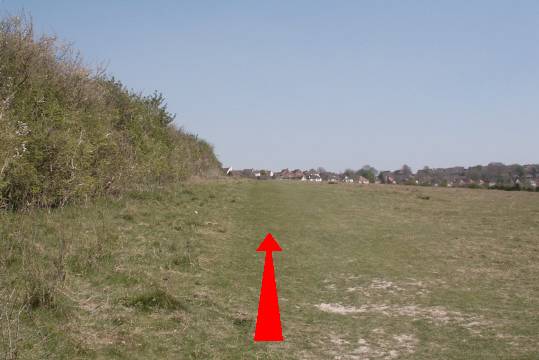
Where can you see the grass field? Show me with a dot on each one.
(372, 272)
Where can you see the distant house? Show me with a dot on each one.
(298, 175)
(292, 175)
(333, 180)
(281, 174)
(263, 174)
(387, 177)
(401, 177)
(363, 180)
(314, 177)
(348, 180)
(327, 175)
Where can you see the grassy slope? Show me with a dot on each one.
(422, 273)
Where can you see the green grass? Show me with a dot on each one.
(365, 272)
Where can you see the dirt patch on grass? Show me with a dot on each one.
(434, 314)
(384, 346)
(374, 294)
(381, 287)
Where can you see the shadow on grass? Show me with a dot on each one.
(153, 299)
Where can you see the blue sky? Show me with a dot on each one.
(339, 84)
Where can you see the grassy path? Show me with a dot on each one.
(397, 272)
(376, 272)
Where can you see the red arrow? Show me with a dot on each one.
(268, 321)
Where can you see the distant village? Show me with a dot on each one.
(493, 175)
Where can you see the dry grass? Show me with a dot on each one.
(367, 272)
(11, 310)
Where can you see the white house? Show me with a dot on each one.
(314, 177)
(363, 180)
(333, 180)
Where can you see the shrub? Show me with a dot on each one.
(69, 133)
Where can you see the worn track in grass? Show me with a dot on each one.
(377, 272)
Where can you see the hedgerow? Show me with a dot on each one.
(68, 132)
